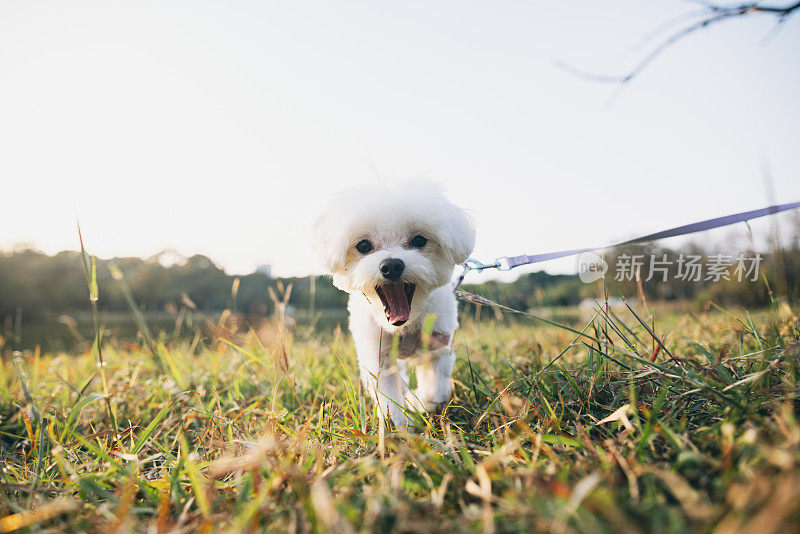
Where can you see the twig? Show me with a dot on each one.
(711, 15)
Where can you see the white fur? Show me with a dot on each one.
(389, 216)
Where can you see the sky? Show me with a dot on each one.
(220, 128)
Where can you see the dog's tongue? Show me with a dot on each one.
(397, 308)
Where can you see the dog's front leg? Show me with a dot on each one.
(433, 379)
(386, 385)
(387, 389)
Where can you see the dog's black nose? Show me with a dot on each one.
(392, 269)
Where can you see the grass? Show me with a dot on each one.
(630, 422)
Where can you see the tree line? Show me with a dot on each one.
(42, 286)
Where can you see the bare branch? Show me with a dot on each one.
(710, 15)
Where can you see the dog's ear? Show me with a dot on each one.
(459, 235)
(328, 244)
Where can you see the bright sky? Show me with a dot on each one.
(220, 127)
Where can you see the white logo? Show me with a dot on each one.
(591, 267)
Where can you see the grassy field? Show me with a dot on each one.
(632, 422)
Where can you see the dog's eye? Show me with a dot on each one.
(364, 246)
(418, 241)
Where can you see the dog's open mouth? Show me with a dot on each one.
(396, 299)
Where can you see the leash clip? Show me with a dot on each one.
(475, 265)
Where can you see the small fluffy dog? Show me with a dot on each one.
(393, 248)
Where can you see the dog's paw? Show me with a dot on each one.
(402, 424)
(396, 420)
(417, 402)
(436, 406)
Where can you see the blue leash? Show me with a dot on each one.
(506, 263)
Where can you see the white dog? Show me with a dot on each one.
(393, 248)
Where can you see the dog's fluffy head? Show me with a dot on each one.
(363, 227)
